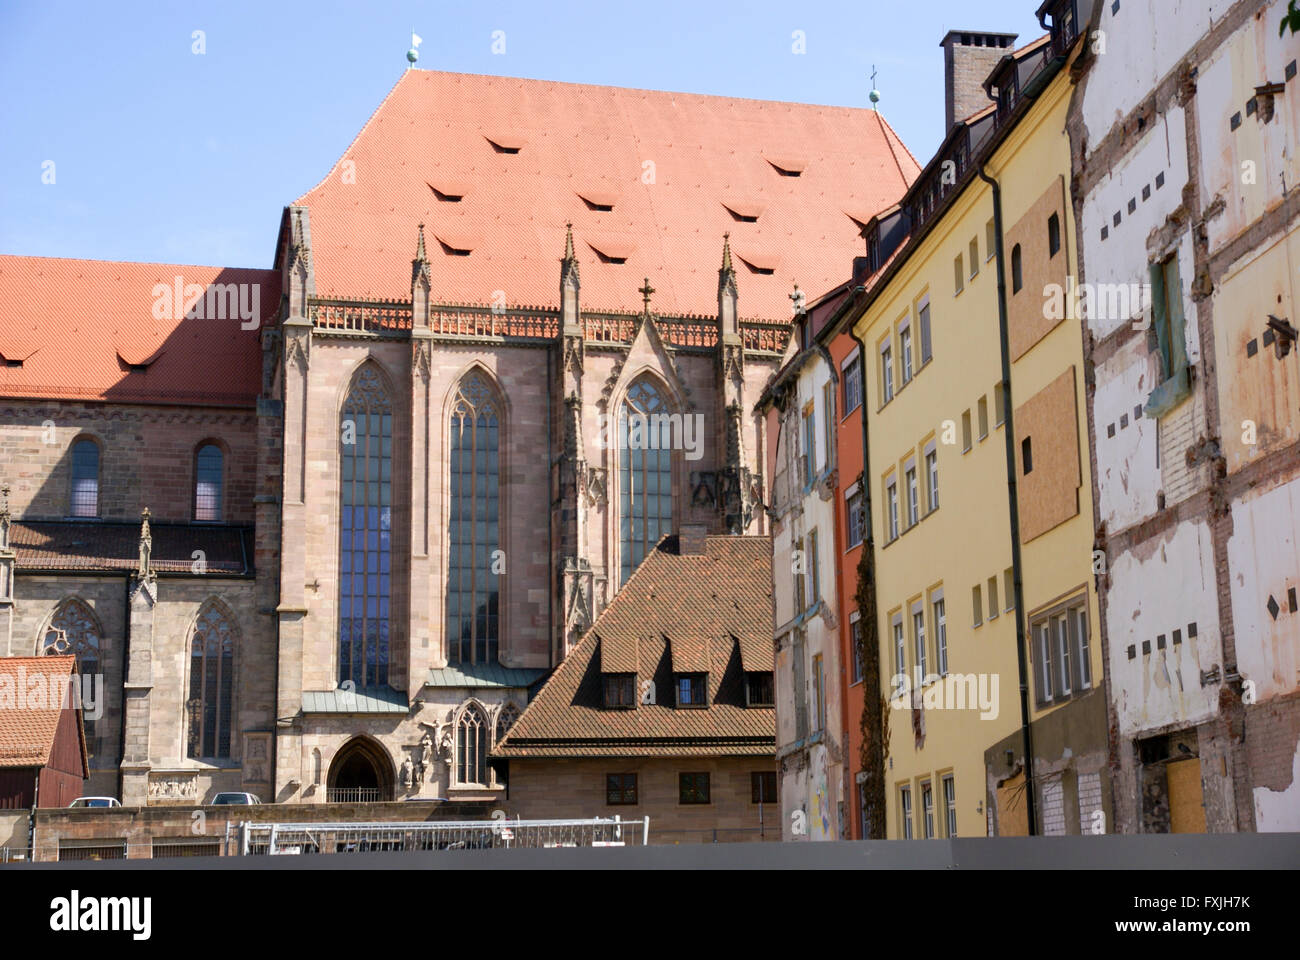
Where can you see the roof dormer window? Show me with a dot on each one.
(692, 690)
(620, 691)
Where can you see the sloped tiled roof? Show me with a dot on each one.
(668, 163)
(716, 602)
(83, 545)
(27, 729)
(78, 326)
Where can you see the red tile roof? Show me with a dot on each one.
(28, 727)
(576, 141)
(710, 612)
(78, 326)
(83, 545)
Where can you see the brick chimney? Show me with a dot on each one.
(690, 540)
(968, 59)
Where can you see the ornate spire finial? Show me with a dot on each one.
(420, 255)
(645, 292)
(568, 241)
(145, 572)
(726, 252)
(4, 500)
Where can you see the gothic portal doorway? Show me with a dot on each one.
(360, 773)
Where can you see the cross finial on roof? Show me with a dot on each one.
(645, 292)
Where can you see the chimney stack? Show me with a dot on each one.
(690, 539)
(969, 56)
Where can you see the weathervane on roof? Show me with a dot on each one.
(413, 54)
(874, 95)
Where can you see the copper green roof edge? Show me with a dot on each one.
(369, 700)
(484, 675)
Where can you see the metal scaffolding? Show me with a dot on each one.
(304, 838)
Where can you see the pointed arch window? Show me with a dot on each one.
(471, 746)
(74, 631)
(212, 681)
(208, 464)
(505, 720)
(366, 522)
(473, 536)
(645, 474)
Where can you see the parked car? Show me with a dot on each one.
(235, 799)
(95, 802)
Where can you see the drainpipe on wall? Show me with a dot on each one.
(1013, 506)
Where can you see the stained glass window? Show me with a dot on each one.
(474, 536)
(73, 630)
(212, 660)
(645, 475)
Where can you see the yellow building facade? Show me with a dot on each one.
(939, 407)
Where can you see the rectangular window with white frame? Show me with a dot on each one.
(851, 373)
(912, 483)
(905, 811)
(886, 372)
(939, 614)
(828, 422)
(923, 323)
(855, 646)
(927, 810)
(905, 349)
(900, 646)
(1061, 649)
(919, 646)
(891, 507)
(854, 517)
(931, 477)
(950, 802)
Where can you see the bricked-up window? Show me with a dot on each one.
(85, 478)
(693, 787)
(620, 789)
(692, 690)
(212, 676)
(207, 482)
(74, 631)
(473, 612)
(366, 433)
(620, 690)
(471, 746)
(762, 786)
(645, 475)
(760, 690)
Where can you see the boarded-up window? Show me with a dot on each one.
(1048, 437)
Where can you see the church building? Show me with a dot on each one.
(321, 530)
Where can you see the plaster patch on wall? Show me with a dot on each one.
(1279, 810)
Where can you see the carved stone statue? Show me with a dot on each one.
(406, 773)
(426, 752)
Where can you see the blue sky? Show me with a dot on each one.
(162, 154)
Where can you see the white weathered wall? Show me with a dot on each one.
(1165, 585)
(1265, 561)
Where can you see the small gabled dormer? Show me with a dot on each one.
(690, 663)
(618, 673)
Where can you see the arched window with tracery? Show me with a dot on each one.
(471, 746)
(474, 536)
(212, 683)
(366, 522)
(505, 720)
(74, 630)
(645, 474)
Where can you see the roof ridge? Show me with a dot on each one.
(132, 263)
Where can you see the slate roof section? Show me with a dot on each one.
(437, 127)
(365, 700)
(111, 546)
(719, 600)
(483, 675)
(27, 732)
(78, 326)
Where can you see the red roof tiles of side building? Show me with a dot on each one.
(709, 612)
(669, 162)
(28, 725)
(112, 331)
